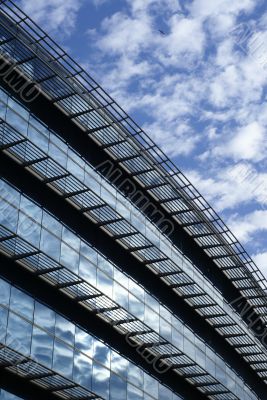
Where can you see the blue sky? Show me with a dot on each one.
(194, 74)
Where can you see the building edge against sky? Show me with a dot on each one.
(118, 280)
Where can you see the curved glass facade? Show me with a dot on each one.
(34, 330)
(91, 285)
(53, 238)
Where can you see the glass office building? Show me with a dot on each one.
(118, 281)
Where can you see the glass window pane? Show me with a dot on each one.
(82, 370)
(100, 380)
(8, 396)
(87, 270)
(119, 364)
(50, 244)
(164, 393)
(8, 215)
(16, 121)
(57, 154)
(136, 307)
(9, 193)
(104, 283)
(19, 334)
(84, 342)
(31, 209)
(15, 105)
(118, 388)
(44, 317)
(69, 258)
(135, 375)
(3, 324)
(21, 303)
(71, 239)
(105, 265)
(165, 329)
(52, 224)
(65, 329)
(4, 292)
(38, 138)
(133, 393)
(151, 318)
(42, 347)
(120, 295)
(102, 353)
(88, 252)
(3, 109)
(28, 229)
(63, 359)
(151, 386)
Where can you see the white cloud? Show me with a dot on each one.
(230, 187)
(125, 34)
(260, 260)
(53, 15)
(185, 42)
(203, 8)
(144, 5)
(181, 141)
(245, 227)
(248, 143)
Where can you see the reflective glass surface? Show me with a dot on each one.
(123, 290)
(60, 345)
(4, 395)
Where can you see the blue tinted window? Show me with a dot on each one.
(84, 342)
(151, 386)
(164, 393)
(21, 303)
(8, 215)
(52, 224)
(63, 359)
(50, 244)
(88, 252)
(65, 329)
(102, 353)
(100, 380)
(119, 364)
(38, 138)
(28, 229)
(135, 375)
(16, 121)
(8, 396)
(42, 347)
(44, 317)
(69, 258)
(3, 110)
(104, 283)
(120, 295)
(118, 388)
(133, 393)
(87, 270)
(3, 324)
(4, 292)
(19, 334)
(82, 370)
